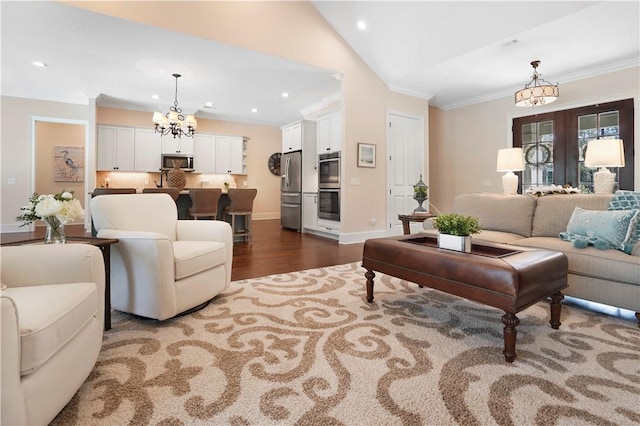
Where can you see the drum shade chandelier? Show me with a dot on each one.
(174, 122)
(538, 91)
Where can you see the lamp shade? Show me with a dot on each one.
(605, 153)
(510, 160)
(157, 117)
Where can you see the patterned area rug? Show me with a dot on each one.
(306, 348)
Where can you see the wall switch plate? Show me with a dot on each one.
(486, 182)
(355, 181)
(11, 181)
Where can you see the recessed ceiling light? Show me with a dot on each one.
(155, 96)
(209, 105)
(39, 64)
(362, 25)
(285, 94)
(254, 109)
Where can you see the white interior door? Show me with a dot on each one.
(405, 164)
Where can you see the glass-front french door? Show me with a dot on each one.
(554, 144)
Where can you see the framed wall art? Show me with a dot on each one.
(68, 164)
(366, 155)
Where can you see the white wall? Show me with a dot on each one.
(464, 141)
(295, 30)
(16, 149)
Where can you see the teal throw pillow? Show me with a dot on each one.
(627, 200)
(602, 228)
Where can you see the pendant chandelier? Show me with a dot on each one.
(174, 122)
(538, 91)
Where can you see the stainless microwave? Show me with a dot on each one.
(184, 161)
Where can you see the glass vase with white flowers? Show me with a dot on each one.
(55, 210)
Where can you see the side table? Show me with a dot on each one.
(104, 244)
(406, 218)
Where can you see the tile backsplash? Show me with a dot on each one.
(150, 180)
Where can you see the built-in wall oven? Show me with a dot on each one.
(329, 204)
(329, 186)
(329, 170)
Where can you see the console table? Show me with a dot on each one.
(104, 244)
(406, 218)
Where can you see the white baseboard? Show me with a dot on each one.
(359, 237)
(15, 227)
(265, 216)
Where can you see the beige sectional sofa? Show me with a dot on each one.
(608, 276)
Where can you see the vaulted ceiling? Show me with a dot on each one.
(452, 53)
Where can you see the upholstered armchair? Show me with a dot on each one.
(161, 266)
(52, 308)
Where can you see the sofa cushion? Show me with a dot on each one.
(193, 257)
(613, 228)
(499, 212)
(612, 265)
(495, 237)
(554, 211)
(49, 316)
(627, 200)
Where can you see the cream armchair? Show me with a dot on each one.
(52, 312)
(161, 266)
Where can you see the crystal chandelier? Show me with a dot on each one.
(537, 91)
(174, 122)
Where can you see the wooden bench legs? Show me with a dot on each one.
(509, 319)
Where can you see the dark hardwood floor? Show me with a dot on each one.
(274, 251)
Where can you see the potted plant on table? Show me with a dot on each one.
(455, 231)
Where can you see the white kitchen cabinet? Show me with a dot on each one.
(309, 164)
(292, 137)
(329, 226)
(310, 210)
(116, 149)
(230, 154)
(204, 153)
(330, 133)
(147, 150)
(171, 145)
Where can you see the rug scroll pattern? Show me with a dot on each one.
(306, 348)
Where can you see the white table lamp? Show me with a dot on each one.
(604, 153)
(510, 160)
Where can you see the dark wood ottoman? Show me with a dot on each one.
(506, 277)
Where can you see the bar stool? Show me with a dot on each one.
(171, 191)
(241, 204)
(204, 202)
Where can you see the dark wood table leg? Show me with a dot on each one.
(369, 275)
(406, 229)
(556, 308)
(510, 322)
(106, 255)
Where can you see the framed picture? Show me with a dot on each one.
(68, 163)
(366, 155)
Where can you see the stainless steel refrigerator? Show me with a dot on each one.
(291, 190)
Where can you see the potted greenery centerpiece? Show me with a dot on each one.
(455, 231)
